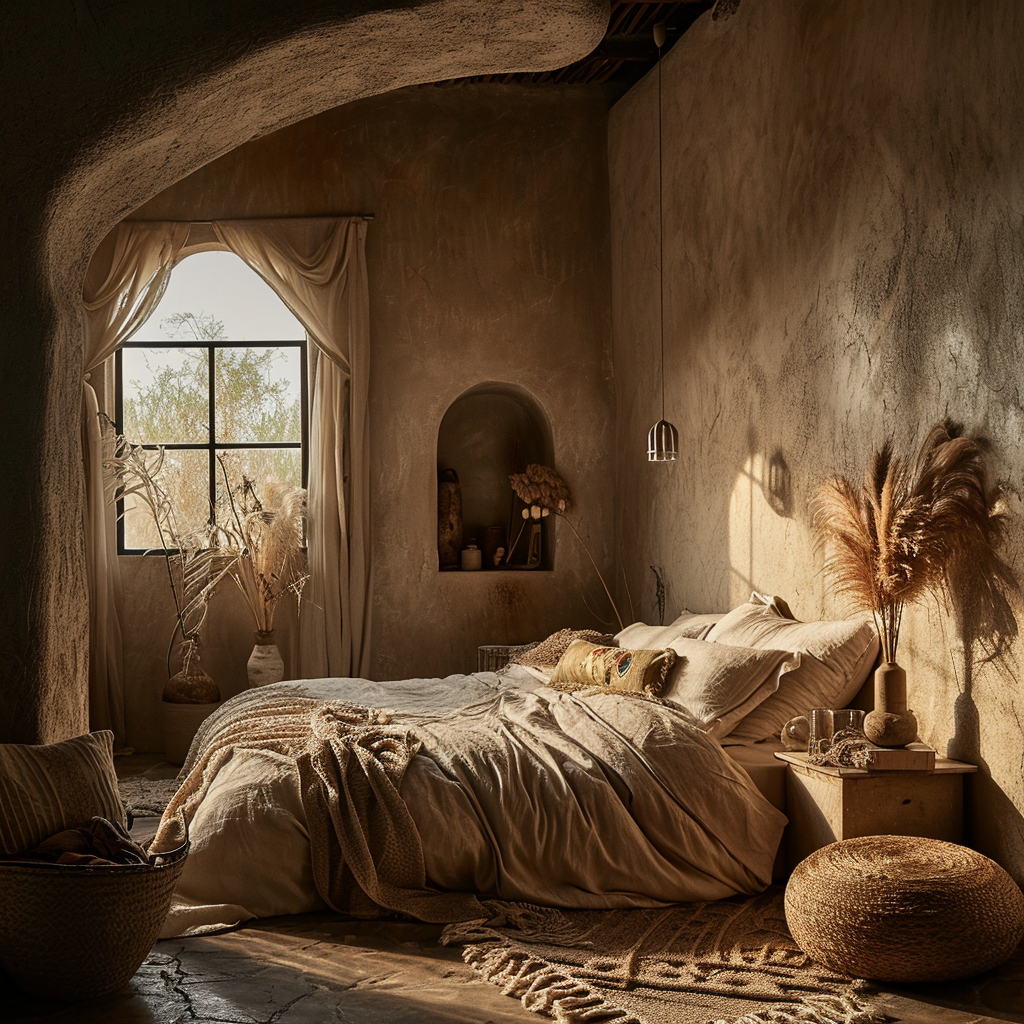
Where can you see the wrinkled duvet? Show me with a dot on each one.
(422, 795)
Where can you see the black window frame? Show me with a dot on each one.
(211, 445)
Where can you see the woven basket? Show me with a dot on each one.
(902, 908)
(72, 931)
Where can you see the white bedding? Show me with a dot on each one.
(515, 791)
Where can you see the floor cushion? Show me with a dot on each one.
(903, 908)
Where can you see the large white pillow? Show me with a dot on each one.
(641, 636)
(837, 656)
(721, 684)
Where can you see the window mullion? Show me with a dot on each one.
(212, 434)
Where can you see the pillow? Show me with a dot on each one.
(687, 625)
(719, 684)
(837, 656)
(586, 664)
(547, 652)
(47, 788)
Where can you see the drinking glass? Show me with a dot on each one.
(819, 737)
(847, 724)
(795, 733)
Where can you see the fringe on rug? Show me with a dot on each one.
(541, 987)
(812, 1010)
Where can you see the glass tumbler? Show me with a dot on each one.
(819, 737)
(847, 724)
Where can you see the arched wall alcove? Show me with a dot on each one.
(490, 431)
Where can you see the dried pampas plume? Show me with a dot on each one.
(933, 526)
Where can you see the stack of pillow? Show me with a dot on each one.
(743, 675)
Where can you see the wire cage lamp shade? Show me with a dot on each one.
(663, 438)
(662, 442)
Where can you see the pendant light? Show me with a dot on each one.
(663, 438)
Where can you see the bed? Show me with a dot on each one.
(425, 797)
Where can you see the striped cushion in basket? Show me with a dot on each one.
(50, 787)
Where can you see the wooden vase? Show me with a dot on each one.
(891, 724)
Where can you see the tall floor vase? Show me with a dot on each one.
(265, 664)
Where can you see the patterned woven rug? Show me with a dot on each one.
(144, 797)
(733, 960)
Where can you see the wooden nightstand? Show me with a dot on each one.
(827, 804)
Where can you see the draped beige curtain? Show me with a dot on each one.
(124, 283)
(318, 268)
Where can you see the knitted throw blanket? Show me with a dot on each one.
(366, 851)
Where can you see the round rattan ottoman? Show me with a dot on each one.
(902, 908)
(70, 931)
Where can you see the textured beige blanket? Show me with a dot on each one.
(544, 797)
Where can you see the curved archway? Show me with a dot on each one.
(135, 105)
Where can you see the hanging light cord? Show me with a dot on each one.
(661, 237)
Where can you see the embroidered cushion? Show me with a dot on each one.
(639, 671)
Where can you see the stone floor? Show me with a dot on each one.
(320, 969)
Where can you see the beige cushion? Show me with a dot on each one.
(47, 788)
(836, 658)
(586, 664)
(720, 684)
(548, 651)
(687, 625)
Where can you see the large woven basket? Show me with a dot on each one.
(903, 908)
(75, 931)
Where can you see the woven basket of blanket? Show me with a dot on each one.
(903, 908)
(73, 931)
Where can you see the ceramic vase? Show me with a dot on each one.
(891, 724)
(191, 685)
(265, 664)
(449, 520)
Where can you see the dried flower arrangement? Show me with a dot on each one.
(194, 564)
(266, 541)
(933, 526)
(261, 550)
(545, 492)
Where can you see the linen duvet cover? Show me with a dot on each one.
(424, 796)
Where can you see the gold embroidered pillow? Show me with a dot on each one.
(586, 664)
(49, 787)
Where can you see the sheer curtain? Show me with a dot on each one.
(124, 283)
(318, 268)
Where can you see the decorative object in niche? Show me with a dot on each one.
(909, 530)
(472, 558)
(544, 493)
(265, 664)
(492, 546)
(449, 519)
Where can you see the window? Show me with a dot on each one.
(216, 375)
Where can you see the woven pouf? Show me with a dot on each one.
(902, 908)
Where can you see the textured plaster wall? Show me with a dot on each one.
(844, 258)
(105, 105)
(488, 262)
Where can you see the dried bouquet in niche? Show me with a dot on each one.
(544, 492)
(931, 526)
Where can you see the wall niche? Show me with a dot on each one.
(489, 432)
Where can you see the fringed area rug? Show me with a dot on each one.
(144, 797)
(733, 961)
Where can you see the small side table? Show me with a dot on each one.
(826, 804)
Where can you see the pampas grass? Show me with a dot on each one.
(268, 535)
(931, 526)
